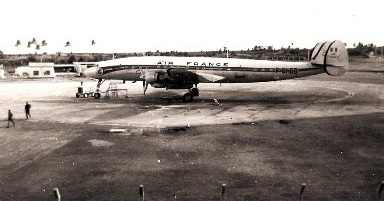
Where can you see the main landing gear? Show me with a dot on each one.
(188, 97)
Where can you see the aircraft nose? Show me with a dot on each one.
(93, 72)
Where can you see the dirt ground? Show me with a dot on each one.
(264, 142)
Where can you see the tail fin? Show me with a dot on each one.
(332, 55)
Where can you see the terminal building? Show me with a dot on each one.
(51, 70)
(2, 75)
(36, 70)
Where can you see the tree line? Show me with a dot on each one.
(363, 50)
(257, 52)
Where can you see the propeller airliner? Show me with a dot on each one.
(187, 72)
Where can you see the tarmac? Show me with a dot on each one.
(289, 99)
(75, 131)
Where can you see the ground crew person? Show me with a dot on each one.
(27, 110)
(10, 118)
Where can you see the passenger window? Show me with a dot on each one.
(335, 49)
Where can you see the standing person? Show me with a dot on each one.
(10, 118)
(27, 110)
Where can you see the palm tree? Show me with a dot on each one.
(18, 43)
(67, 45)
(37, 47)
(58, 54)
(34, 41)
(43, 43)
(92, 44)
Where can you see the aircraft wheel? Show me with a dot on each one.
(97, 95)
(195, 92)
(85, 95)
(187, 97)
(77, 95)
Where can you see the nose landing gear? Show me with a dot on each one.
(97, 94)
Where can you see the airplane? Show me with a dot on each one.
(187, 72)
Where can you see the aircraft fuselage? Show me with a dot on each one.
(227, 70)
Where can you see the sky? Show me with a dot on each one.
(185, 25)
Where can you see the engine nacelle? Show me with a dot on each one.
(151, 77)
(171, 79)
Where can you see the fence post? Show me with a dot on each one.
(223, 186)
(380, 191)
(57, 194)
(302, 191)
(141, 192)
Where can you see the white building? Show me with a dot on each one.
(36, 70)
(2, 76)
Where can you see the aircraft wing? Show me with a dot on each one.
(175, 78)
(206, 77)
(190, 75)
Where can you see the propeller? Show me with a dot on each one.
(145, 86)
(145, 83)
